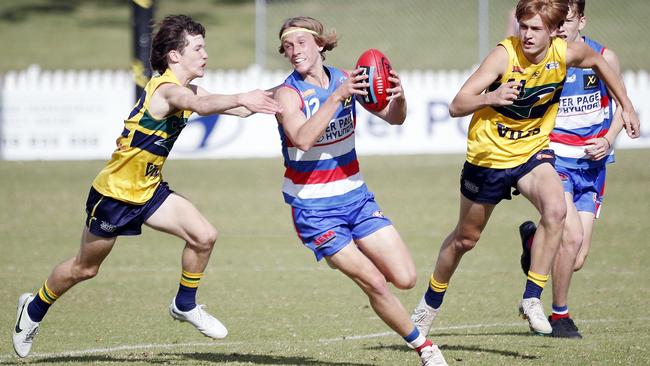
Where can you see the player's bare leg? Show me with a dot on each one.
(473, 218)
(361, 269)
(566, 254)
(32, 308)
(587, 220)
(179, 217)
(471, 221)
(572, 239)
(543, 188)
(386, 249)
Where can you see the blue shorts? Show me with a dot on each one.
(327, 231)
(108, 217)
(487, 185)
(586, 185)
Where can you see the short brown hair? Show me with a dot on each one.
(171, 36)
(578, 7)
(328, 40)
(552, 12)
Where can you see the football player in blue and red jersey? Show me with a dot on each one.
(583, 140)
(334, 213)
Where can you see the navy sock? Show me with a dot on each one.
(186, 298)
(532, 290)
(434, 298)
(435, 292)
(37, 309)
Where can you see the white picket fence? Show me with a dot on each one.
(74, 115)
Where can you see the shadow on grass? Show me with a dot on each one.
(260, 359)
(191, 358)
(87, 359)
(469, 348)
(480, 334)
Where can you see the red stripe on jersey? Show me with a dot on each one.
(323, 176)
(574, 140)
(604, 101)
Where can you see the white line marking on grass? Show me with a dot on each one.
(327, 340)
(467, 326)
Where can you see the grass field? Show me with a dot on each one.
(283, 308)
(415, 34)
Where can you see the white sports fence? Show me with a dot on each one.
(75, 115)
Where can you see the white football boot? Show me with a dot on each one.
(26, 329)
(199, 318)
(431, 356)
(532, 310)
(423, 317)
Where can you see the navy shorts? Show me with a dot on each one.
(108, 217)
(487, 185)
(327, 231)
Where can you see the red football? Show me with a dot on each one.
(377, 66)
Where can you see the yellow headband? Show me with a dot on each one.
(294, 30)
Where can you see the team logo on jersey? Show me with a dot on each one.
(324, 238)
(571, 79)
(532, 102)
(552, 65)
(590, 81)
(176, 125)
(509, 133)
(378, 213)
(152, 170)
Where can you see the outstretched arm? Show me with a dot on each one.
(471, 96)
(581, 55)
(196, 99)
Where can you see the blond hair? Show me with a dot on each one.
(327, 40)
(552, 12)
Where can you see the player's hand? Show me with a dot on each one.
(597, 148)
(505, 94)
(396, 92)
(260, 101)
(356, 83)
(631, 122)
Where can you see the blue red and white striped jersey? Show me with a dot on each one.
(585, 112)
(327, 175)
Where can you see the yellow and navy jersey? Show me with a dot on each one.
(134, 171)
(507, 136)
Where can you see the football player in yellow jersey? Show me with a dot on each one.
(129, 192)
(513, 98)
